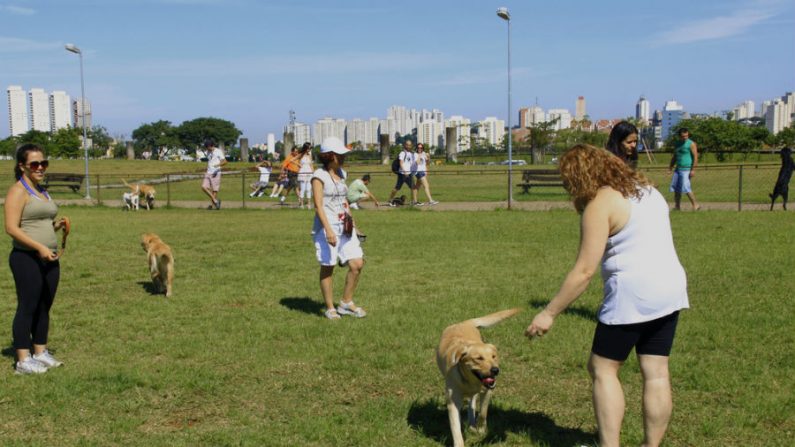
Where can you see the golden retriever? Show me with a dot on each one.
(147, 192)
(470, 369)
(161, 262)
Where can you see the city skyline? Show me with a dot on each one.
(251, 62)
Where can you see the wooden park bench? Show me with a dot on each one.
(539, 177)
(72, 181)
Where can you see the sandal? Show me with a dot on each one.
(348, 309)
(332, 314)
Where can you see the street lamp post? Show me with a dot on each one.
(505, 15)
(73, 49)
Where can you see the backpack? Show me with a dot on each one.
(396, 165)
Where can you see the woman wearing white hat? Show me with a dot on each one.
(333, 244)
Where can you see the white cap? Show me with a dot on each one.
(333, 144)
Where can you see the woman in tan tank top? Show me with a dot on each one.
(30, 221)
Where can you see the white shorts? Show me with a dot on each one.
(347, 248)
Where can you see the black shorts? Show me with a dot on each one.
(406, 179)
(654, 337)
(292, 179)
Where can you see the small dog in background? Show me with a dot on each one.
(145, 191)
(470, 369)
(131, 200)
(161, 262)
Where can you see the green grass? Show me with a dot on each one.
(241, 355)
(449, 183)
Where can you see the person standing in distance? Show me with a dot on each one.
(683, 168)
(333, 244)
(212, 178)
(34, 260)
(404, 175)
(422, 159)
(624, 226)
(623, 142)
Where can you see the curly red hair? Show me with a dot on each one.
(585, 168)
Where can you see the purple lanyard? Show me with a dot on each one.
(32, 192)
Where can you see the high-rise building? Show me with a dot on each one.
(491, 130)
(672, 113)
(537, 115)
(356, 131)
(39, 110)
(60, 116)
(301, 133)
(462, 129)
(371, 130)
(743, 111)
(524, 118)
(643, 110)
(579, 111)
(17, 110)
(329, 127)
(271, 139)
(388, 127)
(780, 114)
(77, 113)
(431, 133)
(562, 115)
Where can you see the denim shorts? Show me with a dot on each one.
(680, 182)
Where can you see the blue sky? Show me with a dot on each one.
(250, 61)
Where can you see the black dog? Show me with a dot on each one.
(784, 176)
(398, 201)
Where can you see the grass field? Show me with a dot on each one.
(241, 355)
(449, 183)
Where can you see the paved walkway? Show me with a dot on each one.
(443, 206)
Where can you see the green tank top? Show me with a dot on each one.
(37, 218)
(684, 158)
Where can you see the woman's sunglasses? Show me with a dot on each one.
(35, 165)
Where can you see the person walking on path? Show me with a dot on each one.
(404, 174)
(292, 165)
(624, 225)
(683, 168)
(359, 191)
(212, 178)
(422, 160)
(623, 142)
(784, 176)
(305, 177)
(334, 232)
(34, 260)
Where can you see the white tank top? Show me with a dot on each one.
(643, 279)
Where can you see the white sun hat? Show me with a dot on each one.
(333, 144)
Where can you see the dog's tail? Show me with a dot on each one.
(134, 188)
(492, 319)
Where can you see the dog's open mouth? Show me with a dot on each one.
(488, 381)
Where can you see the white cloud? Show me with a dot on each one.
(17, 45)
(18, 10)
(715, 28)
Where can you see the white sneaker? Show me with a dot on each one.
(354, 206)
(347, 309)
(433, 202)
(47, 359)
(30, 366)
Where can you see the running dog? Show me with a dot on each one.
(470, 369)
(131, 201)
(161, 262)
(147, 192)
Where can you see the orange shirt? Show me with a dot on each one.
(291, 163)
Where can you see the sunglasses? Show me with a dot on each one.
(35, 165)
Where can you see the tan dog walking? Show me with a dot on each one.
(161, 262)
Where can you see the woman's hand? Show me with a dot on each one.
(331, 238)
(541, 324)
(47, 255)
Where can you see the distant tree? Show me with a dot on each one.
(101, 141)
(66, 142)
(8, 146)
(720, 135)
(155, 137)
(540, 138)
(785, 137)
(193, 133)
(35, 137)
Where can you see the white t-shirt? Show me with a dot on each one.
(335, 201)
(264, 174)
(643, 278)
(214, 160)
(421, 161)
(406, 162)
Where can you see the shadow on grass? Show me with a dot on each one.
(429, 417)
(303, 304)
(579, 311)
(149, 287)
(9, 351)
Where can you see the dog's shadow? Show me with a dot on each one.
(429, 418)
(149, 287)
(579, 311)
(303, 304)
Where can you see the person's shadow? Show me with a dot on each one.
(429, 418)
(580, 311)
(303, 304)
(149, 287)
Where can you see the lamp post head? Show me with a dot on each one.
(504, 14)
(73, 49)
